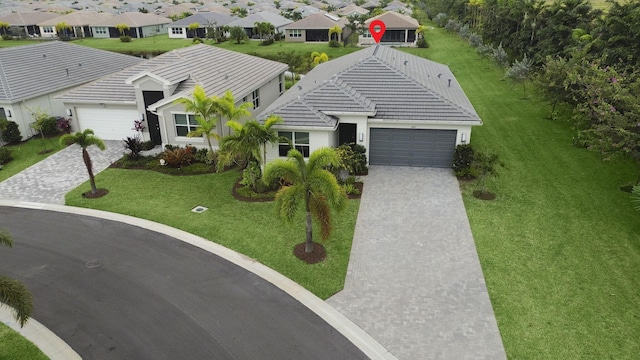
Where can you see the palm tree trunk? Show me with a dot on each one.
(87, 163)
(309, 245)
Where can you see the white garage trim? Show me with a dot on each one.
(107, 123)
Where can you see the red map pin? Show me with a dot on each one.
(377, 33)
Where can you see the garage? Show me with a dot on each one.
(412, 147)
(106, 123)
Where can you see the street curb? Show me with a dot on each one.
(346, 327)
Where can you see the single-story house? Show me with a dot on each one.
(31, 77)
(180, 29)
(79, 22)
(148, 91)
(315, 28)
(26, 24)
(406, 110)
(140, 25)
(249, 22)
(400, 29)
(352, 10)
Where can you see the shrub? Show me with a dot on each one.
(353, 158)
(351, 189)
(204, 156)
(422, 43)
(49, 126)
(251, 176)
(5, 156)
(475, 40)
(7, 37)
(63, 125)
(177, 157)
(266, 42)
(11, 133)
(197, 40)
(441, 19)
(125, 38)
(452, 26)
(134, 145)
(148, 145)
(463, 158)
(464, 32)
(334, 44)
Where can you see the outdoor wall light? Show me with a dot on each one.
(69, 113)
(8, 113)
(141, 116)
(361, 137)
(463, 138)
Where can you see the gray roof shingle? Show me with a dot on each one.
(29, 18)
(32, 70)
(384, 83)
(318, 21)
(264, 16)
(204, 18)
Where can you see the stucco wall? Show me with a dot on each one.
(22, 112)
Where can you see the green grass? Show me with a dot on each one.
(26, 154)
(15, 347)
(559, 246)
(252, 229)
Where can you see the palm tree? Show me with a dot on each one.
(14, 293)
(249, 140)
(311, 182)
(225, 107)
(205, 110)
(335, 29)
(85, 139)
(264, 28)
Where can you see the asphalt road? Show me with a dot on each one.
(116, 291)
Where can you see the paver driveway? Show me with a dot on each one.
(414, 281)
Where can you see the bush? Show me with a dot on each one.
(49, 126)
(204, 156)
(125, 38)
(266, 42)
(197, 40)
(463, 158)
(452, 26)
(441, 19)
(148, 145)
(475, 40)
(63, 125)
(251, 176)
(351, 189)
(334, 44)
(134, 145)
(353, 158)
(177, 157)
(11, 133)
(5, 156)
(422, 43)
(7, 37)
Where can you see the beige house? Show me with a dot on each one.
(79, 23)
(27, 23)
(400, 29)
(315, 28)
(140, 25)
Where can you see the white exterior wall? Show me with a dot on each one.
(178, 36)
(22, 112)
(318, 138)
(48, 35)
(99, 35)
(153, 30)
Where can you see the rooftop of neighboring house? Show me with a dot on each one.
(78, 18)
(394, 20)
(318, 21)
(28, 18)
(133, 19)
(204, 19)
(265, 16)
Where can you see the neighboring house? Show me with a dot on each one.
(26, 24)
(400, 29)
(205, 20)
(404, 109)
(79, 21)
(31, 76)
(149, 90)
(249, 22)
(352, 10)
(140, 25)
(315, 28)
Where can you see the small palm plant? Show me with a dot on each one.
(14, 293)
(85, 139)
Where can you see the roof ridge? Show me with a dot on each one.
(355, 94)
(5, 81)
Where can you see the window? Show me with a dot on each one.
(185, 123)
(176, 31)
(100, 30)
(281, 83)
(297, 33)
(367, 34)
(256, 98)
(300, 141)
(47, 29)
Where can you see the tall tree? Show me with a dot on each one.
(264, 28)
(85, 139)
(520, 71)
(237, 33)
(312, 186)
(14, 293)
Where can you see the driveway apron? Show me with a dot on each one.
(414, 281)
(50, 179)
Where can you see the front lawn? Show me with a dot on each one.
(15, 347)
(26, 154)
(559, 247)
(251, 228)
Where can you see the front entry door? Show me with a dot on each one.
(152, 97)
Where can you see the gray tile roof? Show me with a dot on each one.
(394, 20)
(29, 18)
(133, 19)
(78, 18)
(204, 18)
(265, 16)
(317, 21)
(32, 70)
(381, 81)
(216, 70)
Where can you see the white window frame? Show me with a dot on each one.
(281, 83)
(47, 30)
(298, 140)
(295, 33)
(191, 124)
(255, 95)
(101, 30)
(367, 34)
(177, 31)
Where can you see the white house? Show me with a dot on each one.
(79, 23)
(149, 91)
(140, 25)
(406, 110)
(400, 29)
(180, 29)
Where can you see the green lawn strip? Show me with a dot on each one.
(250, 228)
(559, 246)
(14, 346)
(26, 154)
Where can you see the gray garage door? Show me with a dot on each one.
(411, 147)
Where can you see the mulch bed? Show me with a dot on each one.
(359, 186)
(240, 197)
(98, 194)
(317, 255)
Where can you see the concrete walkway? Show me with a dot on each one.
(49, 180)
(414, 281)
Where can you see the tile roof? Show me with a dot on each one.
(32, 70)
(133, 19)
(265, 16)
(216, 70)
(78, 18)
(382, 82)
(394, 20)
(28, 18)
(205, 18)
(317, 21)
(351, 9)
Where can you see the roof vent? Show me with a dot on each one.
(439, 75)
(299, 87)
(44, 56)
(406, 62)
(332, 17)
(449, 83)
